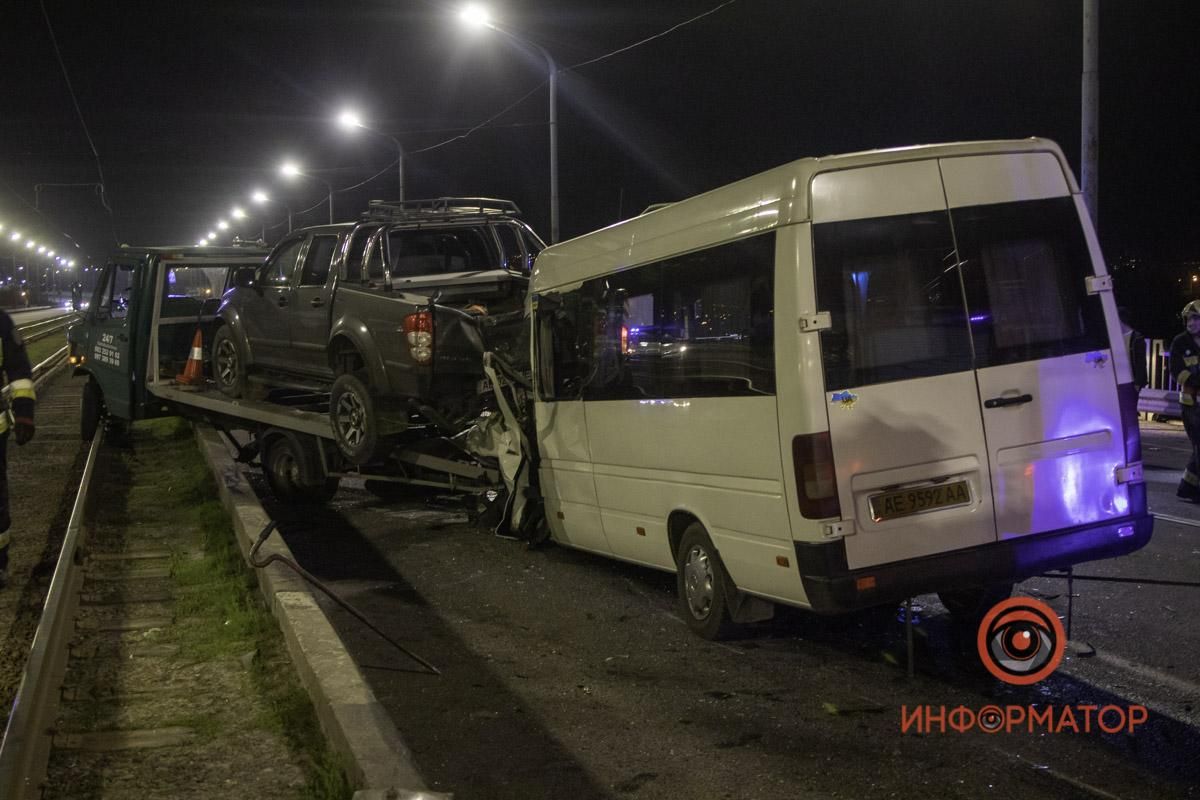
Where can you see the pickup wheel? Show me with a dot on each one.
(355, 419)
(229, 367)
(284, 464)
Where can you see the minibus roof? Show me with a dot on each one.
(779, 196)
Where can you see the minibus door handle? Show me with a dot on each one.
(1000, 402)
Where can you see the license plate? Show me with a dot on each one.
(903, 502)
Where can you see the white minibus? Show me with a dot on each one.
(840, 383)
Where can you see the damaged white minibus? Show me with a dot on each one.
(840, 383)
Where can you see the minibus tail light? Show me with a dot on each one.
(418, 332)
(816, 479)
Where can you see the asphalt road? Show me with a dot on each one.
(568, 675)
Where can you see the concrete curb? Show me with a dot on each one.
(358, 728)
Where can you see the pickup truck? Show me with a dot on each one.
(390, 314)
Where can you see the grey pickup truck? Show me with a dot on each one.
(390, 314)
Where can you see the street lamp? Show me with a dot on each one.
(261, 198)
(351, 121)
(476, 16)
(290, 169)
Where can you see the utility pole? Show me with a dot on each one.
(1089, 152)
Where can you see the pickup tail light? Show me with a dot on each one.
(816, 478)
(418, 331)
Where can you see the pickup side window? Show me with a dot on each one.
(279, 267)
(416, 251)
(355, 251)
(316, 263)
(513, 255)
(374, 262)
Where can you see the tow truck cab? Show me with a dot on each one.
(118, 345)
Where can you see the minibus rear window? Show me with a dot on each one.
(1025, 266)
(894, 297)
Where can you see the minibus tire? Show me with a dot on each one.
(968, 605)
(711, 585)
(224, 347)
(91, 410)
(284, 466)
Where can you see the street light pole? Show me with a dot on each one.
(1090, 145)
(552, 69)
(350, 120)
(478, 16)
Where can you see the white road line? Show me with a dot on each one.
(1095, 791)
(1177, 520)
(1148, 674)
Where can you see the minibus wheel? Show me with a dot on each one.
(968, 605)
(703, 585)
(91, 410)
(286, 469)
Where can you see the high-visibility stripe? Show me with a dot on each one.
(22, 388)
(1182, 377)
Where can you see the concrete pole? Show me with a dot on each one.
(1090, 127)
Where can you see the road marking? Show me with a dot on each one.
(1150, 674)
(1095, 791)
(1178, 520)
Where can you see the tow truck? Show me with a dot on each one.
(154, 308)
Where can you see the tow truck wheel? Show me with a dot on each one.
(284, 465)
(355, 421)
(703, 584)
(229, 368)
(91, 410)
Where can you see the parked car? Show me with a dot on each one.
(390, 314)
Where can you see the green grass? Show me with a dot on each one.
(42, 349)
(219, 612)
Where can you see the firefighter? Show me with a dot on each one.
(1185, 366)
(18, 417)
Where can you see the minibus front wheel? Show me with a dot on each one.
(703, 584)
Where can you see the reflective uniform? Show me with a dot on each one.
(1185, 367)
(19, 414)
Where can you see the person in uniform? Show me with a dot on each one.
(17, 418)
(1185, 366)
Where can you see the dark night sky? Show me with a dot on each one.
(190, 104)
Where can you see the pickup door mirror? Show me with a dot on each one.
(244, 277)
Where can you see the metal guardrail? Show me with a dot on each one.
(39, 330)
(26, 744)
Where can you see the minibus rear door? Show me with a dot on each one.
(905, 426)
(1047, 384)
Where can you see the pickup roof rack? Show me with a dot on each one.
(439, 208)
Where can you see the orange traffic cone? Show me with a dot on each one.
(193, 371)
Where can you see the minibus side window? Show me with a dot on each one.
(698, 325)
(892, 288)
(1025, 266)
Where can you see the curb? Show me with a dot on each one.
(358, 728)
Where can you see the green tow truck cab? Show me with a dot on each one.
(138, 328)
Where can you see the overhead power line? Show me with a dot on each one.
(82, 122)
